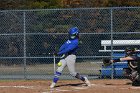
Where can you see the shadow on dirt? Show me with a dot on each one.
(78, 84)
(128, 83)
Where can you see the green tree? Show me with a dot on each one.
(30, 4)
(41, 4)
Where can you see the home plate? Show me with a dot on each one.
(134, 87)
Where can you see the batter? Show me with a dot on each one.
(68, 52)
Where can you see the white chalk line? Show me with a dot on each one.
(55, 90)
(28, 87)
(131, 87)
(33, 87)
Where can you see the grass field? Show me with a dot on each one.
(84, 68)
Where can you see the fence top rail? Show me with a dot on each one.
(70, 9)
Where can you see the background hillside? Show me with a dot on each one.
(39, 4)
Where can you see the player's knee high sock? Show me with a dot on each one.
(56, 77)
(78, 76)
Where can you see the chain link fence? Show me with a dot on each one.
(29, 37)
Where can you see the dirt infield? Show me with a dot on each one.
(68, 86)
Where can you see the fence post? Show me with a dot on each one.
(54, 63)
(112, 74)
(24, 28)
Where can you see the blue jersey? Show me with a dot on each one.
(69, 47)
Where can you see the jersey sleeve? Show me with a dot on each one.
(62, 47)
(70, 47)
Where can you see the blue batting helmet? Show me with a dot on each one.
(73, 33)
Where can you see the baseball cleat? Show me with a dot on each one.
(52, 85)
(87, 82)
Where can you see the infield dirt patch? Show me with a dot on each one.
(68, 86)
